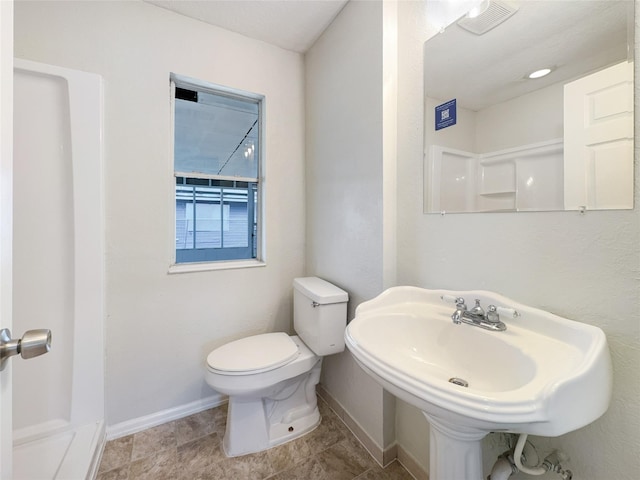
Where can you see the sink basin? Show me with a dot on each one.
(544, 375)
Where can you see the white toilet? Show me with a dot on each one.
(271, 378)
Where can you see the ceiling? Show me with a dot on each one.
(572, 37)
(290, 24)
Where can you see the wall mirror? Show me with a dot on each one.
(497, 141)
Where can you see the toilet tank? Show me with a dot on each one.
(319, 314)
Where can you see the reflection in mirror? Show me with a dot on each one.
(496, 140)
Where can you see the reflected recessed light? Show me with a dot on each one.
(539, 73)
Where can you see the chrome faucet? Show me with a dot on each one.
(477, 317)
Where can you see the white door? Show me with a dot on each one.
(598, 136)
(6, 207)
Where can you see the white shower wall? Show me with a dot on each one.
(43, 246)
(58, 398)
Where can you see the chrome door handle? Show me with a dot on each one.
(32, 344)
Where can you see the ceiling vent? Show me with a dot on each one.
(494, 15)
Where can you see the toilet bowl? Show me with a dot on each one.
(270, 379)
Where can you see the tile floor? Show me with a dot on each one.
(190, 448)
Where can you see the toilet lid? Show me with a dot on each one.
(255, 354)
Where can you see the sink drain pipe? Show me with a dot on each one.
(503, 468)
(517, 456)
(507, 464)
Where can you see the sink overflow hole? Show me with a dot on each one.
(459, 381)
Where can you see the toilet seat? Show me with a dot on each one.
(252, 355)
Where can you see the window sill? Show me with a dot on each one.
(208, 266)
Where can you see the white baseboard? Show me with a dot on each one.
(411, 465)
(142, 423)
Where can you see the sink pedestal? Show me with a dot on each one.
(455, 452)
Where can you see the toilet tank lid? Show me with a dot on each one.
(320, 290)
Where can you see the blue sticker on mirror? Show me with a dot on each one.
(446, 114)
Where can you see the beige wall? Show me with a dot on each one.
(585, 267)
(521, 121)
(161, 326)
(346, 239)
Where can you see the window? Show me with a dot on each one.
(217, 169)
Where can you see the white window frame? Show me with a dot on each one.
(260, 260)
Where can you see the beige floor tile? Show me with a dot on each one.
(191, 449)
(309, 469)
(116, 454)
(328, 433)
(201, 453)
(255, 466)
(153, 440)
(285, 456)
(195, 426)
(162, 465)
(394, 471)
(343, 462)
(211, 472)
(119, 473)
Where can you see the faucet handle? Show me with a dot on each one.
(508, 312)
(460, 303)
(448, 298)
(492, 314)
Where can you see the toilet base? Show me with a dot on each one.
(287, 411)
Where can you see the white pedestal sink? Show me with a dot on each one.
(545, 375)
